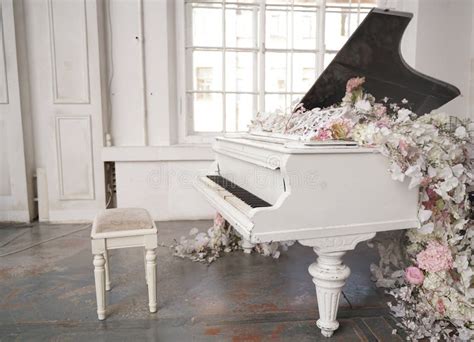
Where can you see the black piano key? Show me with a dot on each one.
(245, 196)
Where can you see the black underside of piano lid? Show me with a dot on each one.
(373, 52)
(249, 198)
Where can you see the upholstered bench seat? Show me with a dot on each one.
(120, 219)
(123, 228)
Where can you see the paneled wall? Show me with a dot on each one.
(16, 162)
(66, 97)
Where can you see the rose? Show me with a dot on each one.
(414, 275)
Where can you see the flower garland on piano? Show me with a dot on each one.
(431, 274)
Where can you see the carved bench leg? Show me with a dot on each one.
(99, 275)
(107, 271)
(146, 272)
(151, 278)
(329, 275)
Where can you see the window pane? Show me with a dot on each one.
(328, 57)
(356, 19)
(337, 30)
(304, 29)
(277, 101)
(276, 71)
(304, 71)
(207, 70)
(239, 111)
(206, 20)
(296, 98)
(240, 71)
(276, 29)
(207, 110)
(240, 27)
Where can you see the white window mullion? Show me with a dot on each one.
(320, 36)
(349, 18)
(255, 32)
(292, 36)
(189, 98)
(358, 12)
(261, 54)
(224, 116)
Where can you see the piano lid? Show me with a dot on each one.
(373, 52)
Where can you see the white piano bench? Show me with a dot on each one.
(123, 228)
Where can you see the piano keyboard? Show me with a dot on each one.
(242, 194)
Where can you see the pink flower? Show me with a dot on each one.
(436, 257)
(383, 122)
(440, 306)
(380, 111)
(219, 221)
(414, 275)
(425, 181)
(323, 134)
(354, 83)
(403, 147)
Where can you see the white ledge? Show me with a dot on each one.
(180, 152)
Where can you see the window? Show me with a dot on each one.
(246, 56)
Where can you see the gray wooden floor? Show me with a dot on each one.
(47, 293)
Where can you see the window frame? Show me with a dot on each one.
(187, 135)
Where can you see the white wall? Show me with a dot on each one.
(438, 42)
(77, 70)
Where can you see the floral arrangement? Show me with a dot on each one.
(430, 274)
(221, 238)
(434, 294)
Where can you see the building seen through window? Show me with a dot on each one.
(246, 56)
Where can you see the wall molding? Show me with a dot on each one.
(89, 194)
(57, 98)
(3, 62)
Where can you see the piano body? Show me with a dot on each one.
(328, 196)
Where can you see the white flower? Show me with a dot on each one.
(396, 172)
(458, 170)
(427, 228)
(445, 172)
(460, 132)
(424, 215)
(415, 174)
(461, 262)
(363, 105)
(449, 184)
(193, 231)
(434, 281)
(403, 115)
(431, 172)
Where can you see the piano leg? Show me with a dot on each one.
(247, 246)
(330, 274)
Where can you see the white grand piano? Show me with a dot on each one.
(328, 196)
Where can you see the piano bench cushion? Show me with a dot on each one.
(122, 219)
